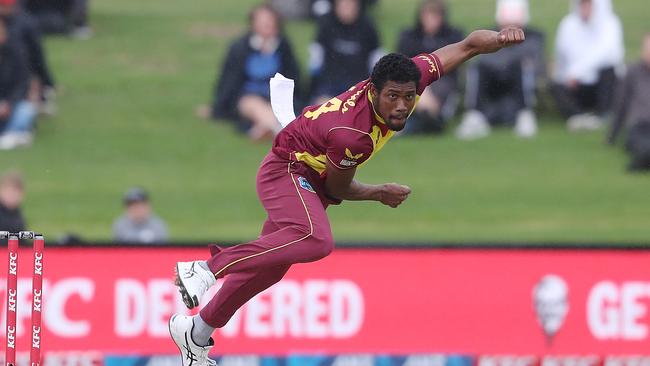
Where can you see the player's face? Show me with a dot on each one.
(395, 102)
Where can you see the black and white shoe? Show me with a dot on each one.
(180, 328)
(193, 280)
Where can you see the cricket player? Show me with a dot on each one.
(312, 165)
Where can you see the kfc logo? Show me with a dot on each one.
(551, 301)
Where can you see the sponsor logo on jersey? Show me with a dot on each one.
(304, 184)
(350, 158)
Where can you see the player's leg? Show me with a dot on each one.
(304, 233)
(193, 334)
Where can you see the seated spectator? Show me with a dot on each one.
(242, 92)
(346, 39)
(12, 193)
(139, 224)
(25, 31)
(61, 16)
(632, 111)
(17, 114)
(439, 101)
(501, 86)
(589, 49)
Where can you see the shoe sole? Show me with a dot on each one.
(190, 301)
(169, 327)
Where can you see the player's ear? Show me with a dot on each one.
(373, 91)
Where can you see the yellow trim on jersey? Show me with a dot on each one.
(318, 163)
(311, 231)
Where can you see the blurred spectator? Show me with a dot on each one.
(17, 114)
(12, 192)
(439, 101)
(632, 111)
(25, 32)
(501, 86)
(61, 16)
(346, 39)
(321, 8)
(139, 224)
(242, 92)
(589, 49)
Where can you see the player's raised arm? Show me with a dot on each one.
(476, 43)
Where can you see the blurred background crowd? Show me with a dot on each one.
(586, 77)
(582, 76)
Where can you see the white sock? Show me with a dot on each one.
(201, 331)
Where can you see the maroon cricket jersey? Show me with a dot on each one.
(346, 130)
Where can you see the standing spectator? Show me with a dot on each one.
(432, 31)
(139, 224)
(16, 112)
(24, 29)
(589, 49)
(632, 111)
(345, 37)
(12, 193)
(242, 92)
(501, 87)
(61, 16)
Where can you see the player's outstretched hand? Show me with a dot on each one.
(393, 194)
(511, 36)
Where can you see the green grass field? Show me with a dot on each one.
(126, 118)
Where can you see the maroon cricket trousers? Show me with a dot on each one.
(297, 230)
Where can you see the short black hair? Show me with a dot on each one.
(395, 67)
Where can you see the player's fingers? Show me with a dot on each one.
(502, 38)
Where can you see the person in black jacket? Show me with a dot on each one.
(61, 16)
(24, 29)
(432, 31)
(12, 192)
(501, 87)
(348, 40)
(242, 92)
(16, 113)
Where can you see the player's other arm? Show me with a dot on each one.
(340, 183)
(476, 43)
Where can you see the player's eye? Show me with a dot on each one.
(410, 97)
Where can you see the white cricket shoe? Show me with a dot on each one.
(193, 281)
(473, 126)
(526, 124)
(180, 328)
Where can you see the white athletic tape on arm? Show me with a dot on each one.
(282, 99)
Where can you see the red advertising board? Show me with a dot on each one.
(388, 301)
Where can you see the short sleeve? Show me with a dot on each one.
(347, 148)
(430, 68)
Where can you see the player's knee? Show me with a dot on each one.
(323, 243)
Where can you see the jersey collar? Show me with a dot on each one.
(381, 122)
